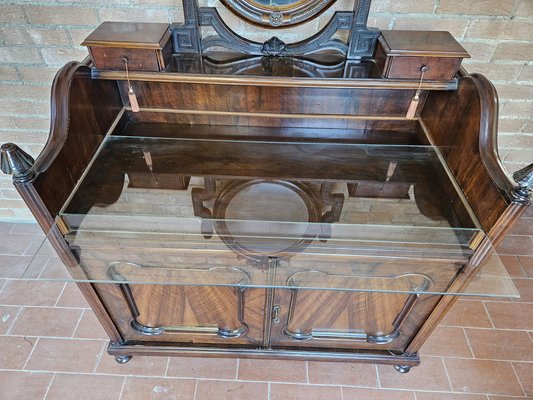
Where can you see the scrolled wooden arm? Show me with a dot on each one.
(488, 143)
(83, 109)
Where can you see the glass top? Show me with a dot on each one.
(263, 214)
(116, 257)
(264, 189)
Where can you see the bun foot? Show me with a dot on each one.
(122, 359)
(402, 369)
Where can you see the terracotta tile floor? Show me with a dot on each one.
(51, 347)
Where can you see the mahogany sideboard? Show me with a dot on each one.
(310, 200)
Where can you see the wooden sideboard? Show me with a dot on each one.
(271, 200)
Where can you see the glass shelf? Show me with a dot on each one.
(125, 257)
(271, 182)
(156, 209)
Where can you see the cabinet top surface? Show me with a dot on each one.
(412, 43)
(131, 34)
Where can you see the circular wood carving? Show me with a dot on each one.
(264, 218)
(277, 13)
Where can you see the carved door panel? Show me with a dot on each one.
(336, 318)
(192, 303)
(187, 309)
(191, 314)
(363, 304)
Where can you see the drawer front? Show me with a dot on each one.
(138, 59)
(409, 67)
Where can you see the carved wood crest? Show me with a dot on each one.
(187, 37)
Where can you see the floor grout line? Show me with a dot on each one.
(50, 306)
(32, 241)
(99, 358)
(8, 332)
(49, 386)
(378, 377)
(447, 374)
(60, 294)
(488, 314)
(484, 328)
(31, 353)
(468, 343)
(11, 230)
(61, 338)
(77, 324)
(122, 388)
(166, 367)
(518, 379)
(195, 395)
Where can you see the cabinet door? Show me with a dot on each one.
(187, 314)
(181, 296)
(373, 304)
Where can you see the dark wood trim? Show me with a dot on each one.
(321, 41)
(464, 143)
(59, 118)
(54, 236)
(397, 84)
(485, 250)
(488, 137)
(488, 133)
(83, 110)
(33, 195)
(382, 357)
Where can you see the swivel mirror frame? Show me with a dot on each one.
(278, 15)
(187, 37)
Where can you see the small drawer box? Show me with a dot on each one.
(147, 46)
(402, 54)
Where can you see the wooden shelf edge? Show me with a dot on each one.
(374, 83)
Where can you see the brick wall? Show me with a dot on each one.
(39, 36)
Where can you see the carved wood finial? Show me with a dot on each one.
(524, 179)
(15, 161)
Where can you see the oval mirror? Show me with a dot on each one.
(277, 13)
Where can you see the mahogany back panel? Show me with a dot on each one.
(454, 124)
(83, 110)
(285, 126)
(207, 97)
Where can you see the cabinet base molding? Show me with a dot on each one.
(375, 357)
